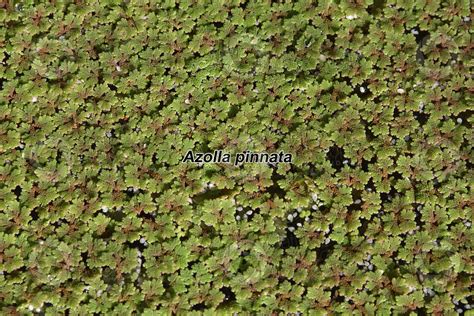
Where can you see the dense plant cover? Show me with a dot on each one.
(100, 101)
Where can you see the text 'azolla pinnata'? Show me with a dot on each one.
(219, 156)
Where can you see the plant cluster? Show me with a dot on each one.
(99, 101)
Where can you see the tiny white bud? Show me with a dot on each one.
(295, 214)
(459, 120)
(187, 101)
(466, 19)
(414, 32)
(358, 201)
(31, 307)
(290, 217)
(249, 213)
(34, 99)
(299, 224)
(306, 219)
(322, 57)
(237, 217)
(118, 68)
(314, 207)
(105, 209)
(291, 229)
(142, 240)
(400, 91)
(240, 208)
(362, 89)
